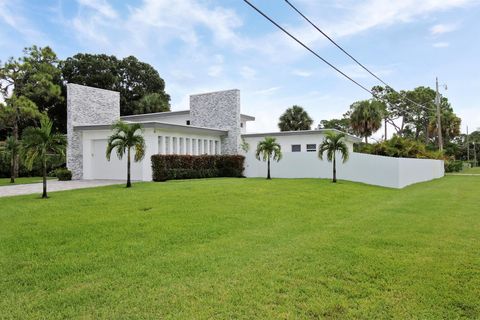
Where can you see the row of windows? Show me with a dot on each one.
(192, 146)
(309, 147)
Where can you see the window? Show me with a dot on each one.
(311, 147)
(241, 124)
(188, 122)
(296, 148)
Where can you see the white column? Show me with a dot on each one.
(200, 146)
(161, 143)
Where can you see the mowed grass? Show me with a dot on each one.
(243, 249)
(475, 170)
(22, 180)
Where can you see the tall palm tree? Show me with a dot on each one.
(295, 119)
(268, 149)
(333, 143)
(10, 150)
(366, 117)
(123, 139)
(42, 143)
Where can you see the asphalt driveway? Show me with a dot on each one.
(22, 189)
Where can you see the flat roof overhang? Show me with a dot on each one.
(157, 125)
(299, 133)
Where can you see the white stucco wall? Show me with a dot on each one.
(287, 140)
(96, 166)
(370, 169)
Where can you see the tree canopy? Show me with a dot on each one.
(132, 78)
(295, 119)
(366, 117)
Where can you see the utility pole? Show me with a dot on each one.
(439, 121)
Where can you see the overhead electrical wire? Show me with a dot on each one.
(323, 59)
(308, 48)
(350, 56)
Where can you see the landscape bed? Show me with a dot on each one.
(244, 248)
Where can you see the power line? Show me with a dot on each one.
(306, 47)
(350, 56)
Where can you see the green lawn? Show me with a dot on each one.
(23, 180)
(475, 170)
(244, 248)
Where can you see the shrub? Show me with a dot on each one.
(170, 167)
(453, 166)
(399, 148)
(63, 174)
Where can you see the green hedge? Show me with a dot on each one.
(453, 165)
(63, 174)
(170, 167)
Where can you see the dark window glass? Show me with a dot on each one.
(311, 147)
(188, 122)
(296, 148)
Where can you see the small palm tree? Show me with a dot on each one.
(268, 149)
(123, 139)
(332, 143)
(10, 150)
(42, 143)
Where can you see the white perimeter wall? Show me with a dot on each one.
(370, 169)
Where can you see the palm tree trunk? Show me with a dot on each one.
(385, 129)
(334, 169)
(16, 157)
(268, 169)
(366, 140)
(44, 194)
(129, 184)
(12, 168)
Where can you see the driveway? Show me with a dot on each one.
(52, 186)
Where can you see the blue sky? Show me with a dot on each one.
(207, 45)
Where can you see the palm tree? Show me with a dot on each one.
(333, 143)
(10, 150)
(295, 119)
(123, 139)
(366, 117)
(42, 143)
(268, 149)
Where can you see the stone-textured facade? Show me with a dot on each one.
(87, 106)
(220, 110)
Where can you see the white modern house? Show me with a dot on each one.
(215, 125)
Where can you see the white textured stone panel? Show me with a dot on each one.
(87, 106)
(219, 110)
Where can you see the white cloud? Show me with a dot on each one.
(182, 18)
(101, 6)
(443, 28)
(247, 72)
(11, 15)
(268, 90)
(215, 71)
(441, 44)
(359, 16)
(301, 73)
(355, 71)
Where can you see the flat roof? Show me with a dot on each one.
(156, 125)
(300, 132)
(173, 113)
